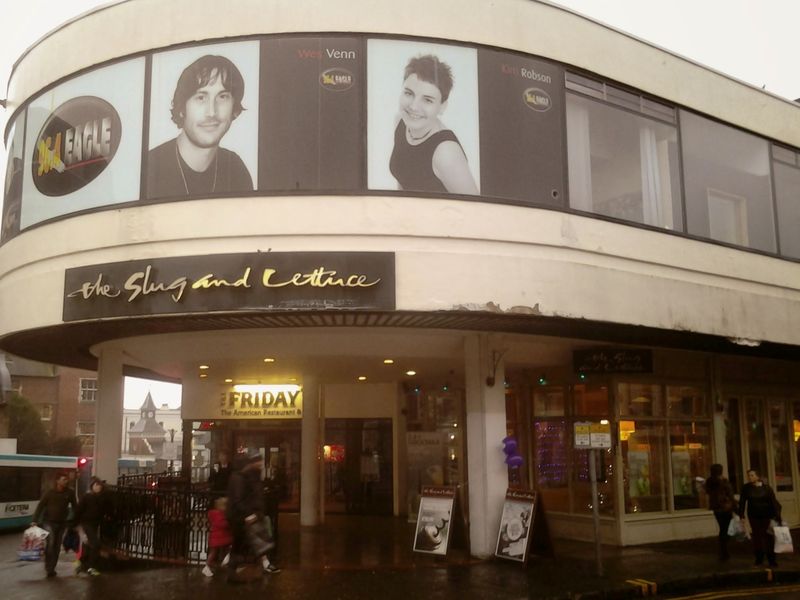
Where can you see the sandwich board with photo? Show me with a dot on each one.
(516, 525)
(434, 520)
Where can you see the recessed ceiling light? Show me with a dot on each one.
(203, 375)
(203, 367)
(229, 380)
(411, 373)
(362, 377)
(292, 378)
(388, 361)
(269, 360)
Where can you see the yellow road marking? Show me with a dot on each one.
(649, 588)
(740, 593)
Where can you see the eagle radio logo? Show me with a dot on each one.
(337, 79)
(537, 99)
(75, 145)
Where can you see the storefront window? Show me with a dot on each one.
(548, 401)
(690, 454)
(756, 437)
(796, 429)
(434, 442)
(686, 401)
(779, 432)
(591, 400)
(551, 455)
(644, 474)
(640, 400)
(582, 485)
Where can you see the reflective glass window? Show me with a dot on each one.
(622, 165)
(690, 457)
(643, 451)
(787, 196)
(727, 183)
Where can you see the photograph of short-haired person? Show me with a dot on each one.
(207, 99)
(427, 156)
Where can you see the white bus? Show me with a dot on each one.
(23, 480)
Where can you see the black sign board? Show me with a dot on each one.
(231, 282)
(612, 360)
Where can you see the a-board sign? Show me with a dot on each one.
(516, 525)
(434, 520)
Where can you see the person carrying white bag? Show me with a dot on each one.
(33, 543)
(783, 539)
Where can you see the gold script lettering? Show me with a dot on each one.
(319, 277)
(208, 281)
(95, 288)
(147, 286)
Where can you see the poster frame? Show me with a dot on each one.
(429, 495)
(515, 501)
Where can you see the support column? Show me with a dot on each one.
(310, 454)
(486, 428)
(108, 415)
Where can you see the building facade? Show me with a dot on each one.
(373, 245)
(64, 398)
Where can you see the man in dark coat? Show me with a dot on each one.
(53, 513)
(89, 516)
(218, 481)
(246, 513)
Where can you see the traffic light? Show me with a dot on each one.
(84, 467)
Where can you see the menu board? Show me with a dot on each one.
(516, 525)
(434, 520)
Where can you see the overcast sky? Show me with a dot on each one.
(752, 40)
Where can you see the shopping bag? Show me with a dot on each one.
(72, 540)
(33, 542)
(783, 540)
(258, 538)
(737, 529)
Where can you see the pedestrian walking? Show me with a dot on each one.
(759, 503)
(246, 515)
(723, 503)
(53, 514)
(89, 517)
(219, 537)
(220, 475)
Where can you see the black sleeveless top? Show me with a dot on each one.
(412, 166)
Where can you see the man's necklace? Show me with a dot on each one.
(183, 175)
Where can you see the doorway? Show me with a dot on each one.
(358, 466)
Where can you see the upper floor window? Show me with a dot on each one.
(88, 391)
(623, 163)
(786, 168)
(728, 186)
(45, 411)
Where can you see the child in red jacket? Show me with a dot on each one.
(219, 537)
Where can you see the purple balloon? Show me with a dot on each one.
(514, 460)
(509, 445)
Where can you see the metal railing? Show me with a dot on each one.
(165, 522)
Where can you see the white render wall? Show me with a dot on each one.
(450, 255)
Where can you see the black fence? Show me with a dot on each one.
(158, 517)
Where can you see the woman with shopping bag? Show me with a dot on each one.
(722, 502)
(759, 503)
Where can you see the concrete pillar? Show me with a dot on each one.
(486, 428)
(108, 416)
(310, 454)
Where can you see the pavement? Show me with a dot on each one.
(360, 558)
